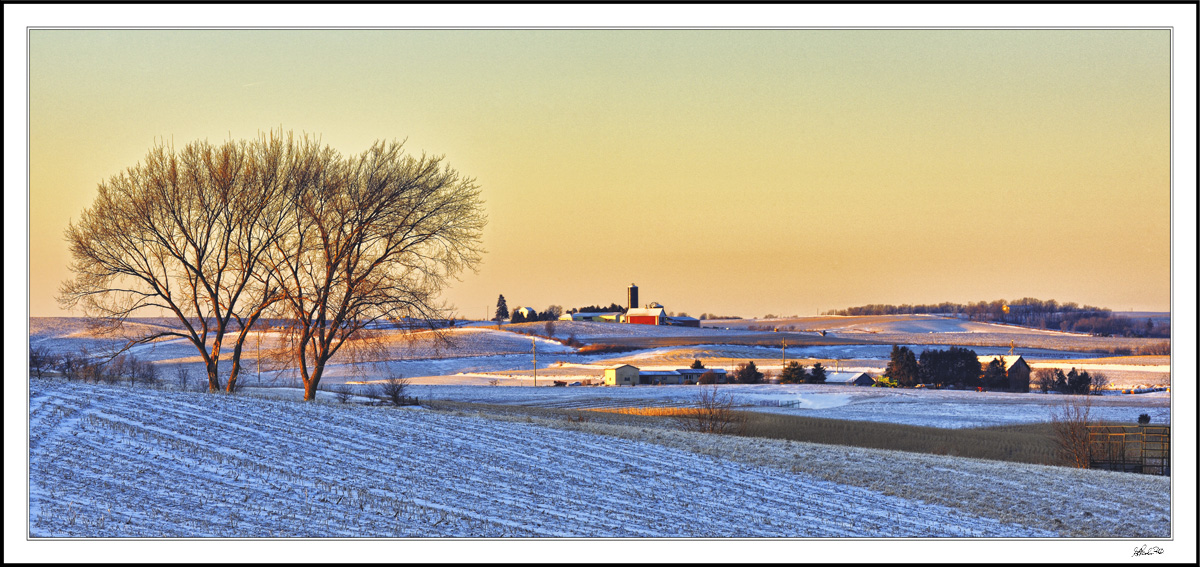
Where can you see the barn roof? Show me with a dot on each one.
(843, 377)
(654, 311)
(1007, 359)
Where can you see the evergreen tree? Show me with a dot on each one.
(501, 309)
(903, 367)
(697, 364)
(518, 316)
(793, 373)
(1078, 382)
(748, 373)
(817, 376)
(994, 377)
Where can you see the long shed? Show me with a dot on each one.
(849, 378)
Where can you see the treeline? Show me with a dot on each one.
(1031, 312)
(612, 308)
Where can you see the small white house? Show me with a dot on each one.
(692, 375)
(623, 375)
(849, 378)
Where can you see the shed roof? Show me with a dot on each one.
(700, 370)
(620, 366)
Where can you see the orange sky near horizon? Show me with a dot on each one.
(731, 172)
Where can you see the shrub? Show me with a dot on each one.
(1070, 420)
(343, 393)
(1144, 419)
(182, 377)
(713, 413)
(1160, 348)
(708, 377)
(395, 388)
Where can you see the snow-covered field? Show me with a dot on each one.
(931, 408)
(123, 462)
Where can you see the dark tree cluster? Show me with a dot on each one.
(903, 367)
(795, 373)
(1072, 382)
(747, 373)
(953, 366)
(551, 313)
(612, 308)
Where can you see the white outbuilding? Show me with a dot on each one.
(623, 375)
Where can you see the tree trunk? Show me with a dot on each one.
(214, 381)
(234, 367)
(310, 385)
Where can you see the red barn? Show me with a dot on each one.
(653, 316)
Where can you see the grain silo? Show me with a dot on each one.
(633, 298)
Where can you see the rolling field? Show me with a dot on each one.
(121, 462)
(935, 408)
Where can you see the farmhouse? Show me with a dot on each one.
(849, 378)
(692, 375)
(1015, 367)
(623, 375)
(659, 377)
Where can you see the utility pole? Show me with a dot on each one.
(783, 362)
(534, 341)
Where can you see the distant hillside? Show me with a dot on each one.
(1031, 312)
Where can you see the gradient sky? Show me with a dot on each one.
(738, 172)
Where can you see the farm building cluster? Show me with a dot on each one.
(652, 314)
(629, 375)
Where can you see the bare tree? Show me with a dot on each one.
(69, 365)
(1070, 420)
(713, 413)
(184, 233)
(1044, 379)
(40, 360)
(343, 393)
(182, 377)
(1099, 383)
(395, 389)
(374, 237)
